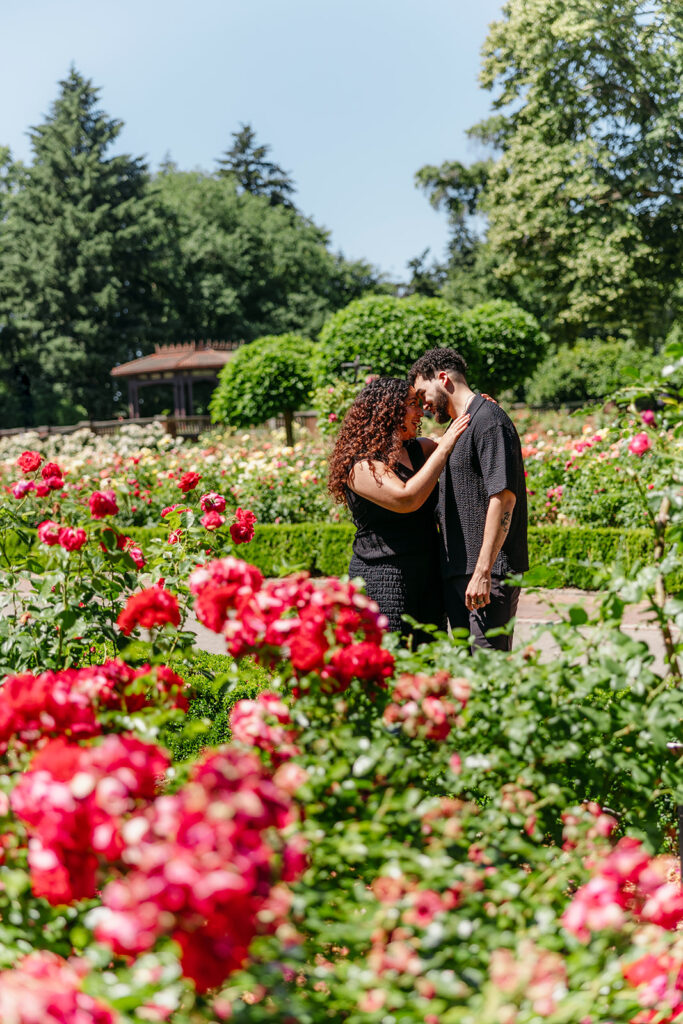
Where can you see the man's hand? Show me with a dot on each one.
(478, 593)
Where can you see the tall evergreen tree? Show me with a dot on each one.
(76, 283)
(246, 163)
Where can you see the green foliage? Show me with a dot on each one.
(217, 682)
(388, 334)
(591, 368)
(246, 163)
(241, 268)
(269, 377)
(508, 342)
(332, 402)
(77, 288)
(583, 202)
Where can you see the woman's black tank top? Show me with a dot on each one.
(381, 533)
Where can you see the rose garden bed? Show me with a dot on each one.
(322, 825)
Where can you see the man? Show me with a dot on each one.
(482, 501)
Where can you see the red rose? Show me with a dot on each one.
(71, 539)
(28, 462)
(48, 532)
(188, 482)
(242, 530)
(149, 608)
(51, 469)
(103, 503)
(212, 520)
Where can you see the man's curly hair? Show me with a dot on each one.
(434, 361)
(370, 430)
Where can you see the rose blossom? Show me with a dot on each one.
(188, 482)
(48, 532)
(22, 488)
(29, 461)
(72, 539)
(242, 530)
(44, 987)
(148, 608)
(212, 521)
(51, 469)
(212, 502)
(648, 417)
(103, 503)
(639, 444)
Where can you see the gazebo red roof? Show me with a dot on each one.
(192, 355)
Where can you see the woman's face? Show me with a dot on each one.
(412, 417)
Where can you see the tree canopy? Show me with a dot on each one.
(240, 268)
(583, 198)
(77, 290)
(247, 164)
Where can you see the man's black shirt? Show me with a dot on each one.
(486, 459)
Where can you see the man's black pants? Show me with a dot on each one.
(502, 607)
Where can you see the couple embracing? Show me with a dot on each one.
(439, 524)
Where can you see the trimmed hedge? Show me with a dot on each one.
(560, 556)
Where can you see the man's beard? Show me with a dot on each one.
(440, 406)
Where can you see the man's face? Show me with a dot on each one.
(434, 398)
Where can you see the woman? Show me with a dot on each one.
(387, 477)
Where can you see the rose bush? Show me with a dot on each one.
(424, 836)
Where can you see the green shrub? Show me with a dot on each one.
(269, 377)
(332, 402)
(388, 334)
(589, 369)
(218, 682)
(508, 343)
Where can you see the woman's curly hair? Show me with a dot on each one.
(370, 430)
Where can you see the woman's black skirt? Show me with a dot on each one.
(404, 585)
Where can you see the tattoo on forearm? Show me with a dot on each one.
(505, 522)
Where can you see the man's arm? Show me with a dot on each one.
(496, 527)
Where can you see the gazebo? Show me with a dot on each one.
(182, 365)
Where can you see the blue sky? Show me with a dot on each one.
(353, 96)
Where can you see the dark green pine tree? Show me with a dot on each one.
(246, 163)
(77, 289)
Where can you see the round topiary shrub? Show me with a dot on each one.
(269, 377)
(387, 334)
(508, 343)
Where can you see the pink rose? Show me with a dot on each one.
(212, 502)
(639, 444)
(648, 417)
(22, 488)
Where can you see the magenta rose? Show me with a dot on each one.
(639, 444)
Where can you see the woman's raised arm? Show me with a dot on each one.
(376, 482)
